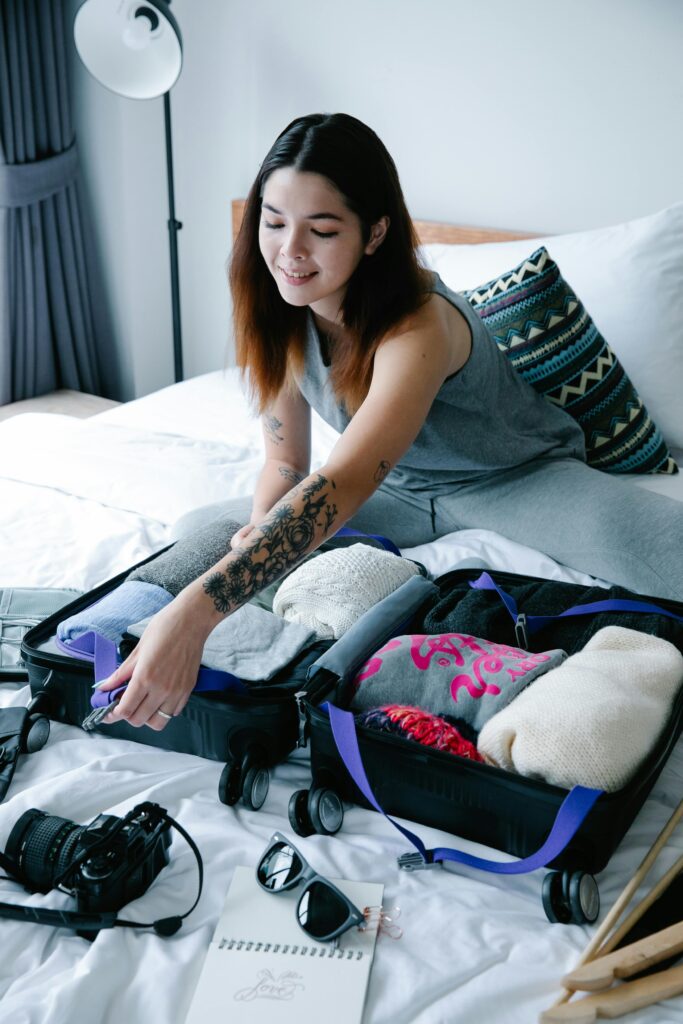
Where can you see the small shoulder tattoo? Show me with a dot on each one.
(381, 471)
(290, 474)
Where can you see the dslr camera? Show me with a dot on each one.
(105, 864)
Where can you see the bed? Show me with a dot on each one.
(81, 500)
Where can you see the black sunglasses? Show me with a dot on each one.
(323, 911)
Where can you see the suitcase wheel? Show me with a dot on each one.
(325, 810)
(297, 813)
(249, 781)
(230, 785)
(570, 897)
(255, 786)
(36, 733)
(41, 703)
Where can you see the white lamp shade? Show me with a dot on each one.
(132, 47)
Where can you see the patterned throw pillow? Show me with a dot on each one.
(546, 333)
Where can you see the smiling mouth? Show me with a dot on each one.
(297, 277)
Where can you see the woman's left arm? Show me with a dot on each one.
(162, 670)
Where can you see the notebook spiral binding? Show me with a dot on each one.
(331, 952)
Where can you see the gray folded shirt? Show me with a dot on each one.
(251, 643)
(190, 557)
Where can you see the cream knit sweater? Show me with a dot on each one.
(330, 592)
(594, 719)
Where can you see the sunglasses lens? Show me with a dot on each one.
(280, 867)
(321, 911)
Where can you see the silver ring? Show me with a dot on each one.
(163, 714)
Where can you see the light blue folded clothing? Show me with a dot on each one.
(112, 615)
(252, 643)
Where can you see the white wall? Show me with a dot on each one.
(535, 115)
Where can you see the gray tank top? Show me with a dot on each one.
(485, 418)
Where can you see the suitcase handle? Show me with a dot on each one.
(570, 816)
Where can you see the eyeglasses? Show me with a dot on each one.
(323, 911)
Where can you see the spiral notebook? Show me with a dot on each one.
(261, 968)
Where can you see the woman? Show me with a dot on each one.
(333, 311)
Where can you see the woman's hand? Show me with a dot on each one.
(161, 672)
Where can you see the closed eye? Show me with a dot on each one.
(320, 234)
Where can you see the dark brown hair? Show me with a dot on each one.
(270, 334)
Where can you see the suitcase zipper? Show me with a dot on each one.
(301, 740)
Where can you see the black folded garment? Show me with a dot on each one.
(461, 609)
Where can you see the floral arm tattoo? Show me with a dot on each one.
(290, 474)
(272, 424)
(279, 543)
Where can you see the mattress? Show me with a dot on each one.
(81, 500)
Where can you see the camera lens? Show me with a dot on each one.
(43, 845)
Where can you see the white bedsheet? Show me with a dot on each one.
(83, 499)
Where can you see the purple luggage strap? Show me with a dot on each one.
(570, 816)
(346, 531)
(526, 625)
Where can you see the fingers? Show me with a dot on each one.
(141, 703)
(238, 538)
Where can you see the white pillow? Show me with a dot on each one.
(630, 279)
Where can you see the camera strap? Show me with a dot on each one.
(91, 922)
(167, 926)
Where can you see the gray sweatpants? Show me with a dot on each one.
(586, 519)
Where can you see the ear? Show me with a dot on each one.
(378, 233)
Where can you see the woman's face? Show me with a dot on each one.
(310, 240)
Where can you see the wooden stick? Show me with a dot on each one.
(622, 963)
(628, 891)
(635, 915)
(622, 999)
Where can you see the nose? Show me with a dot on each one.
(293, 245)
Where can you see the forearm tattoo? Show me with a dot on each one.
(381, 471)
(281, 541)
(272, 424)
(290, 474)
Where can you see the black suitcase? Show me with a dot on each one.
(250, 732)
(476, 801)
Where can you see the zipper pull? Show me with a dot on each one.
(302, 738)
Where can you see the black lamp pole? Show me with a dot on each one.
(174, 227)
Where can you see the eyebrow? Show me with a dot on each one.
(311, 216)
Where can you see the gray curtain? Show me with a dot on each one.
(52, 316)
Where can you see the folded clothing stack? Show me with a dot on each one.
(110, 616)
(449, 674)
(593, 720)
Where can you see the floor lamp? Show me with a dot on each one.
(136, 50)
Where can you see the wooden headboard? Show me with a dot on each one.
(427, 231)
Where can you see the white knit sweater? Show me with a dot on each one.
(592, 720)
(330, 592)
